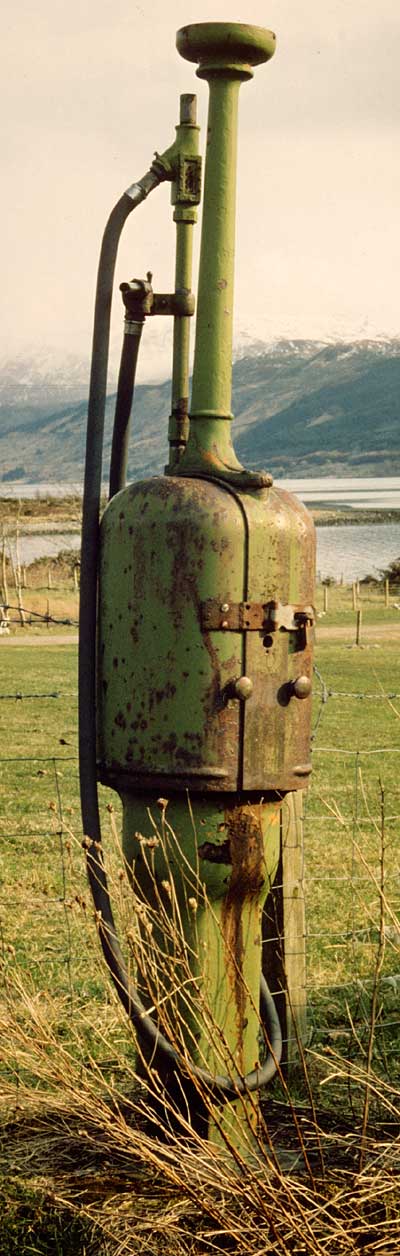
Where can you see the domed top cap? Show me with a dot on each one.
(225, 45)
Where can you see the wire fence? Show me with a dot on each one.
(351, 845)
(31, 616)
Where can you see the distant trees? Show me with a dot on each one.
(392, 572)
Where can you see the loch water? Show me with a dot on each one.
(348, 551)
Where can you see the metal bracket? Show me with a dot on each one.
(179, 304)
(140, 300)
(188, 180)
(290, 618)
(272, 616)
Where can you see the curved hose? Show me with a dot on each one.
(224, 1087)
(125, 390)
(88, 594)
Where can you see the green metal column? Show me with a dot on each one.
(226, 54)
(212, 372)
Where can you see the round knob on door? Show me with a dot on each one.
(302, 687)
(242, 688)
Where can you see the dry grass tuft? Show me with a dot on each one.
(88, 1169)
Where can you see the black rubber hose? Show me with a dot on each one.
(224, 1087)
(123, 409)
(88, 589)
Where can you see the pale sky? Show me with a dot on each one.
(91, 88)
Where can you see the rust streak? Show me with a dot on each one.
(216, 853)
(246, 881)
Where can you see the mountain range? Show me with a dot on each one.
(302, 408)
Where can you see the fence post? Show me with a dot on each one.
(358, 626)
(325, 597)
(354, 592)
(17, 586)
(387, 600)
(4, 570)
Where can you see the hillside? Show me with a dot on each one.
(302, 408)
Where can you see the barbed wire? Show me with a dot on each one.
(44, 618)
(361, 750)
(38, 758)
(21, 697)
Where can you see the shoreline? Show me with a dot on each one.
(343, 517)
(42, 516)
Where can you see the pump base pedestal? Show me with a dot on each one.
(200, 878)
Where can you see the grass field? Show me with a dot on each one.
(56, 996)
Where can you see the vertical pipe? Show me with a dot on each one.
(179, 422)
(210, 411)
(212, 371)
(226, 54)
(185, 199)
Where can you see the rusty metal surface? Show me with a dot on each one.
(218, 614)
(171, 653)
(231, 853)
(246, 885)
(162, 707)
(277, 725)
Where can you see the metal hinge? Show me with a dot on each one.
(254, 616)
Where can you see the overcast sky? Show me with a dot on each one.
(91, 88)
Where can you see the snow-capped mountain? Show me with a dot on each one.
(302, 407)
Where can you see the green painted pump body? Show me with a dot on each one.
(201, 586)
(204, 635)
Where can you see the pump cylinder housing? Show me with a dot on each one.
(204, 638)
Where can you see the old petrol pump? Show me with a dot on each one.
(198, 586)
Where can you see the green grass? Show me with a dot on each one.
(370, 599)
(45, 907)
(355, 756)
(48, 939)
(353, 808)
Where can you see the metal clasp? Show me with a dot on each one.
(219, 614)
